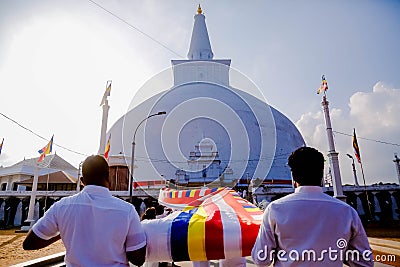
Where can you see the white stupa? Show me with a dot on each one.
(248, 138)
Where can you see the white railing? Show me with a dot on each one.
(21, 194)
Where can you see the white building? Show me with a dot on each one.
(253, 139)
(12, 176)
(204, 167)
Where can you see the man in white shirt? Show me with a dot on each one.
(308, 227)
(96, 228)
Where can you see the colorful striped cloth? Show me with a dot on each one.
(220, 226)
(180, 199)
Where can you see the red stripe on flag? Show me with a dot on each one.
(248, 226)
(214, 239)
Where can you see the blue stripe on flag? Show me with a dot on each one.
(179, 236)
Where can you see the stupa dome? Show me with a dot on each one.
(248, 138)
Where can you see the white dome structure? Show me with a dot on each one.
(244, 137)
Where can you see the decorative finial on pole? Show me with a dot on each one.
(106, 108)
(199, 11)
(332, 154)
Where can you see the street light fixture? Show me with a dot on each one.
(78, 183)
(133, 151)
(354, 170)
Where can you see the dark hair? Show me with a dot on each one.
(95, 170)
(160, 209)
(307, 165)
(149, 214)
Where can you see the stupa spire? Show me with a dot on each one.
(200, 47)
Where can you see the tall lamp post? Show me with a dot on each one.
(396, 162)
(78, 183)
(354, 170)
(133, 151)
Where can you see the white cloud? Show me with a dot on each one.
(380, 107)
(375, 116)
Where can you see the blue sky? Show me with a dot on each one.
(56, 57)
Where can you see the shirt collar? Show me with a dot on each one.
(308, 189)
(96, 190)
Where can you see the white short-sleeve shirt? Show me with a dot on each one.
(96, 228)
(309, 228)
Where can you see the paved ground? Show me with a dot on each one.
(11, 251)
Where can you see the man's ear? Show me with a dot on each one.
(83, 180)
(107, 180)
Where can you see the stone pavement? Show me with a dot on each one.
(386, 246)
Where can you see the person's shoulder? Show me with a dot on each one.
(320, 197)
(66, 200)
(340, 204)
(121, 203)
(284, 199)
(336, 201)
(280, 203)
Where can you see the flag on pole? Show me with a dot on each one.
(355, 146)
(1, 145)
(106, 93)
(107, 149)
(324, 85)
(46, 150)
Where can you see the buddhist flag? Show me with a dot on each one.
(107, 149)
(219, 224)
(1, 145)
(355, 146)
(46, 150)
(324, 85)
(106, 93)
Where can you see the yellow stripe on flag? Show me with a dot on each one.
(196, 236)
(255, 209)
(188, 208)
(192, 192)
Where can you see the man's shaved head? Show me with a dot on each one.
(95, 171)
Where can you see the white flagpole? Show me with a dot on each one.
(106, 108)
(332, 154)
(29, 222)
(365, 189)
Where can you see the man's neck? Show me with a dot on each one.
(102, 185)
